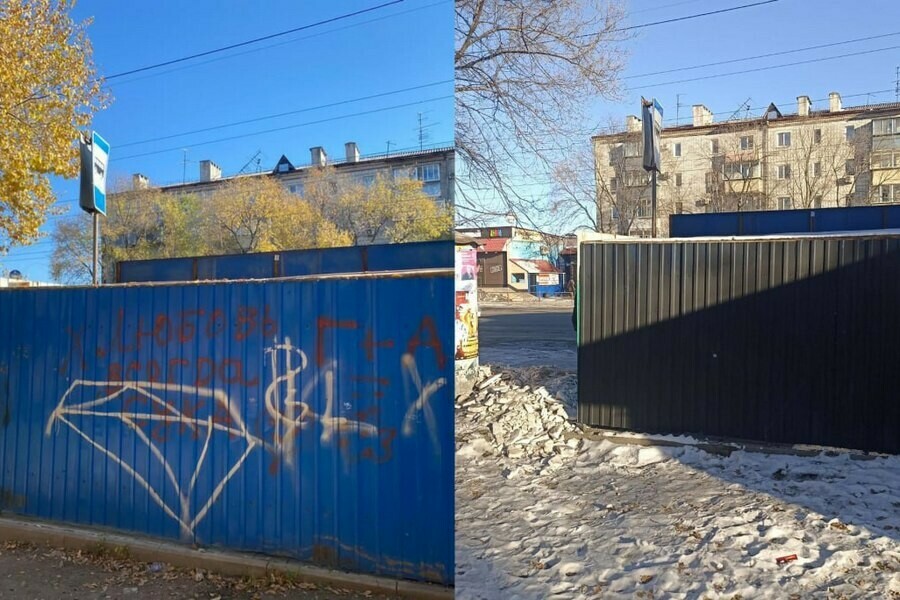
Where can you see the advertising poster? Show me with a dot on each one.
(466, 304)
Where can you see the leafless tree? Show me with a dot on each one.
(735, 179)
(526, 73)
(576, 196)
(819, 161)
(73, 250)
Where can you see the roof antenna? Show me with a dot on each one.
(255, 157)
(744, 107)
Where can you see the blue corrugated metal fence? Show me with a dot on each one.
(768, 222)
(290, 263)
(306, 418)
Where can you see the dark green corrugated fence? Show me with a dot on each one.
(776, 340)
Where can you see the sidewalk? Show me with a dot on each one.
(39, 559)
(28, 571)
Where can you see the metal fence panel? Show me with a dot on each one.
(770, 222)
(311, 419)
(290, 263)
(783, 341)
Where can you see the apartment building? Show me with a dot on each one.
(808, 158)
(433, 167)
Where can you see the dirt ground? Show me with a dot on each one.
(30, 572)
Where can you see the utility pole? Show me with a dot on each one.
(388, 148)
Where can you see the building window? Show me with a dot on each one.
(677, 179)
(365, 179)
(850, 167)
(885, 126)
(817, 169)
(817, 202)
(741, 170)
(283, 167)
(400, 172)
(886, 193)
(886, 160)
(817, 136)
(715, 147)
(848, 132)
(784, 203)
(677, 150)
(643, 208)
(430, 176)
(784, 139)
(784, 171)
(747, 142)
(613, 184)
(632, 149)
(430, 172)
(296, 189)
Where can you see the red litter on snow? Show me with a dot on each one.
(783, 560)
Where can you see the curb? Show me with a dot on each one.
(223, 563)
(721, 448)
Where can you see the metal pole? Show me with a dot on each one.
(653, 203)
(96, 277)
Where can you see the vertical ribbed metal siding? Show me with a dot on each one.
(787, 341)
(107, 396)
(290, 263)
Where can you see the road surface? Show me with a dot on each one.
(525, 335)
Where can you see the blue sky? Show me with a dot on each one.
(775, 27)
(405, 45)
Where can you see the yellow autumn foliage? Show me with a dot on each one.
(48, 95)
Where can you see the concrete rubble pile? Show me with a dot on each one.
(503, 418)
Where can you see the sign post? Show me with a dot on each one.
(652, 116)
(92, 192)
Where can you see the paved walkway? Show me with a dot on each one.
(29, 572)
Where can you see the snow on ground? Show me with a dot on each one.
(542, 512)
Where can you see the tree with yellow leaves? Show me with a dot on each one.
(257, 214)
(48, 93)
(388, 210)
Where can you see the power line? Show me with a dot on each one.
(254, 40)
(285, 114)
(694, 16)
(662, 6)
(275, 129)
(291, 41)
(758, 69)
(769, 55)
(787, 102)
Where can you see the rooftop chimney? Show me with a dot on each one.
(209, 171)
(834, 102)
(319, 158)
(352, 152)
(803, 105)
(702, 115)
(139, 182)
(632, 123)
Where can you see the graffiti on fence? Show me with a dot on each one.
(204, 398)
